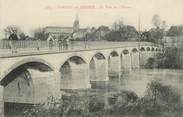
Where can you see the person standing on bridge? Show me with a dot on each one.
(60, 44)
(38, 44)
(12, 41)
(50, 44)
(65, 44)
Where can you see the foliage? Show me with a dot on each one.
(154, 35)
(23, 36)
(40, 34)
(162, 100)
(90, 36)
(151, 63)
(67, 106)
(10, 29)
(168, 59)
(96, 104)
(117, 25)
(124, 33)
(175, 31)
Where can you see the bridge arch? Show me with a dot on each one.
(98, 55)
(74, 73)
(142, 49)
(156, 49)
(29, 62)
(114, 53)
(18, 82)
(134, 50)
(148, 49)
(125, 52)
(152, 49)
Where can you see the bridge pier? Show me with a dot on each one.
(127, 62)
(74, 76)
(1, 101)
(135, 60)
(98, 69)
(55, 84)
(143, 58)
(102, 70)
(114, 65)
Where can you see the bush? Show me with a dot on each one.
(151, 63)
(168, 59)
(96, 104)
(161, 99)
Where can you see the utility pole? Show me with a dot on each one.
(139, 38)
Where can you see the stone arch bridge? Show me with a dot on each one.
(30, 78)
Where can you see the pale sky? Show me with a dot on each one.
(30, 14)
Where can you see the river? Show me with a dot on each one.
(137, 81)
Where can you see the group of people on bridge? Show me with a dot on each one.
(61, 44)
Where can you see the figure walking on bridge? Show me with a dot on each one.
(50, 40)
(38, 44)
(12, 41)
(65, 43)
(50, 44)
(60, 44)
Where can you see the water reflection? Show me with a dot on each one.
(137, 80)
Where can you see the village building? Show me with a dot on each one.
(58, 32)
(66, 32)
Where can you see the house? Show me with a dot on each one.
(58, 32)
(51, 37)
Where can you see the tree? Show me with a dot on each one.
(128, 32)
(22, 36)
(125, 33)
(40, 34)
(156, 21)
(10, 29)
(91, 36)
(156, 34)
(117, 25)
(145, 36)
(164, 25)
(175, 31)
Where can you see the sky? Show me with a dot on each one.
(31, 14)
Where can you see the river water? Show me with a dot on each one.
(137, 81)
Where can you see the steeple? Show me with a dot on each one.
(76, 24)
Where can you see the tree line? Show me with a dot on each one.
(119, 31)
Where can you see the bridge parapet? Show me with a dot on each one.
(27, 47)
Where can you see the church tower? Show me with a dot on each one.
(76, 24)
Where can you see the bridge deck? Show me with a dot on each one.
(27, 48)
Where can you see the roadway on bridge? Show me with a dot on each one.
(76, 46)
